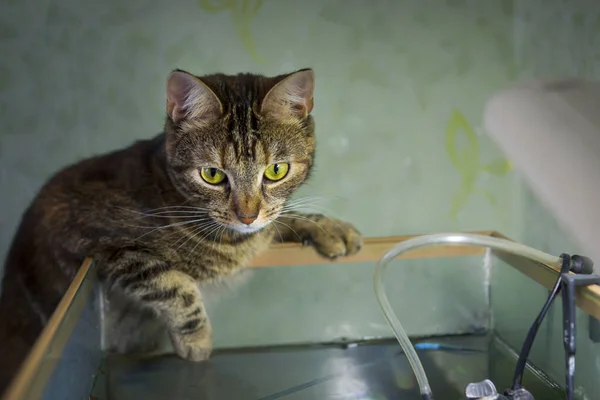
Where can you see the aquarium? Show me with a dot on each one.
(312, 343)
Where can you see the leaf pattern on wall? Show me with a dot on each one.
(243, 13)
(467, 161)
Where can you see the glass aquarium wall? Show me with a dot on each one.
(516, 301)
(325, 303)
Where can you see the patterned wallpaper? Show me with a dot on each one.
(400, 90)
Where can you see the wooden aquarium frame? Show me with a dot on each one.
(31, 380)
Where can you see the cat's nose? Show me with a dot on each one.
(244, 219)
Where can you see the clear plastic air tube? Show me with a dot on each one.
(432, 240)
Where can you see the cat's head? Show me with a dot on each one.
(239, 146)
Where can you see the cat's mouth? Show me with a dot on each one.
(242, 228)
(253, 227)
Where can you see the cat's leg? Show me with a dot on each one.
(331, 237)
(130, 328)
(171, 294)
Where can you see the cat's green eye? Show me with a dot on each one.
(276, 172)
(213, 176)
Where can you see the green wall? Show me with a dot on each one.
(399, 95)
(401, 87)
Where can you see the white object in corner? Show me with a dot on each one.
(550, 130)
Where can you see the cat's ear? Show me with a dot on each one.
(189, 97)
(291, 97)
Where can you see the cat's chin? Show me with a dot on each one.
(247, 229)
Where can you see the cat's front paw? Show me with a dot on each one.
(196, 346)
(333, 238)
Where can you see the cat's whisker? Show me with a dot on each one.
(211, 231)
(307, 207)
(176, 216)
(310, 198)
(215, 235)
(301, 207)
(179, 232)
(221, 235)
(170, 213)
(299, 202)
(323, 213)
(316, 209)
(185, 231)
(290, 228)
(278, 231)
(318, 197)
(191, 221)
(334, 221)
(305, 200)
(314, 198)
(159, 209)
(185, 236)
(303, 218)
(178, 212)
(173, 207)
(171, 234)
(198, 230)
(155, 229)
(174, 212)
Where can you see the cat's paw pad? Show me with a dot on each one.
(333, 238)
(196, 346)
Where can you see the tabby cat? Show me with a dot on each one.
(193, 205)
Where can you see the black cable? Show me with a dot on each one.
(526, 349)
(569, 283)
(569, 335)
